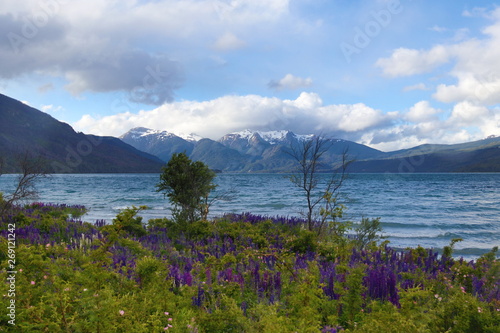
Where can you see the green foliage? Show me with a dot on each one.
(306, 301)
(304, 241)
(448, 250)
(147, 268)
(162, 223)
(351, 296)
(187, 184)
(331, 217)
(367, 232)
(489, 257)
(461, 312)
(227, 317)
(266, 318)
(387, 318)
(127, 221)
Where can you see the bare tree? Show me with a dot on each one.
(308, 155)
(208, 201)
(32, 169)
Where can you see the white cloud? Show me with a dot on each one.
(290, 82)
(247, 11)
(105, 46)
(475, 94)
(46, 87)
(46, 108)
(220, 116)
(51, 109)
(468, 114)
(306, 101)
(477, 72)
(422, 123)
(228, 42)
(418, 86)
(438, 28)
(476, 66)
(407, 62)
(471, 87)
(410, 135)
(476, 12)
(461, 34)
(351, 118)
(422, 112)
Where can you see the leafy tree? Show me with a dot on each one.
(308, 155)
(187, 184)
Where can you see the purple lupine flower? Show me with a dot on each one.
(477, 287)
(200, 297)
(329, 329)
(176, 275)
(382, 284)
(187, 279)
(277, 285)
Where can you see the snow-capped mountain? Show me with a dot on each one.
(162, 144)
(193, 137)
(254, 143)
(272, 137)
(146, 134)
(245, 142)
(243, 151)
(142, 133)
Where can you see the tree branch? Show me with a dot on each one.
(32, 169)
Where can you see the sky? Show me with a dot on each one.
(390, 74)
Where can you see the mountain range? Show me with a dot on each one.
(26, 129)
(261, 151)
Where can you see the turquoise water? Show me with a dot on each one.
(415, 209)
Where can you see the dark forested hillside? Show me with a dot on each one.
(26, 129)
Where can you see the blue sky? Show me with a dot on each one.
(387, 73)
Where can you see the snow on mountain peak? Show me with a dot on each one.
(193, 137)
(142, 132)
(272, 137)
(157, 133)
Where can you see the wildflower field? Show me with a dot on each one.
(236, 273)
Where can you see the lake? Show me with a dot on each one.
(415, 209)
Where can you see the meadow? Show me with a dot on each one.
(234, 273)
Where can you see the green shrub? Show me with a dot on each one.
(305, 241)
(368, 232)
(227, 317)
(127, 221)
